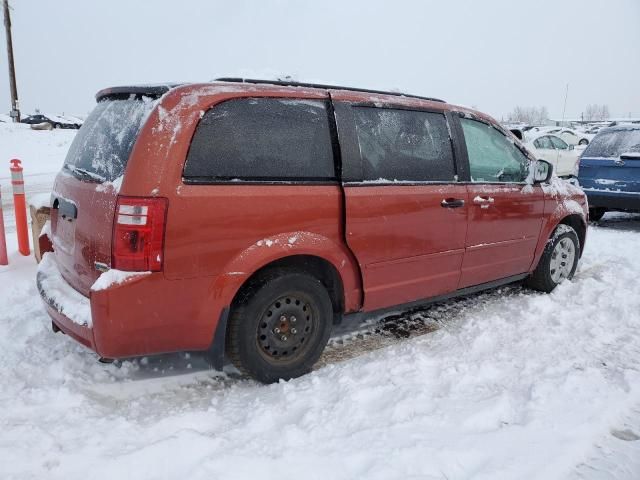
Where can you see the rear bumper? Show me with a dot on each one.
(144, 315)
(613, 200)
(68, 309)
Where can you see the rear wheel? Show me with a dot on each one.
(280, 326)
(558, 262)
(596, 213)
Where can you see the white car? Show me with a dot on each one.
(556, 151)
(572, 137)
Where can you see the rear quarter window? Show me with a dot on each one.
(263, 139)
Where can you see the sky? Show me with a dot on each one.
(491, 54)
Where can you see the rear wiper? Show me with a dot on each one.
(86, 174)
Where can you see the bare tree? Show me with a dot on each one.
(595, 112)
(529, 115)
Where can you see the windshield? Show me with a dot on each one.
(614, 143)
(101, 148)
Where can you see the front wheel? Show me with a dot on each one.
(558, 262)
(279, 327)
(584, 141)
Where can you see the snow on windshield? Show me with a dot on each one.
(613, 143)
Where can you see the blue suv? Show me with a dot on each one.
(610, 170)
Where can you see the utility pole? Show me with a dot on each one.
(15, 109)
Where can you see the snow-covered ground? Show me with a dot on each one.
(41, 152)
(509, 384)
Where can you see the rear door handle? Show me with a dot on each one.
(452, 203)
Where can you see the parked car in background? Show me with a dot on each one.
(574, 137)
(54, 121)
(281, 208)
(571, 136)
(610, 170)
(592, 130)
(556, 151)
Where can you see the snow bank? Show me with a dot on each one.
(42, 154)
(40, 150)
(40, 200)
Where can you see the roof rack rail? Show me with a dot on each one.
(289, 83)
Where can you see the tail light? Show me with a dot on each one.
(138, 234)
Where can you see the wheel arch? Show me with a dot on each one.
(328, 260)
(318, 267)
(331, 262)
(568, 212)
(577, 223)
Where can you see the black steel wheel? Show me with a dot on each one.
(279, 327)
(285, 326)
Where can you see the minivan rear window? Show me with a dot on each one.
(100, 151)
(262, 139)
(614, 143)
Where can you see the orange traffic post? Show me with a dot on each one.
(20, 206)
(4, 260)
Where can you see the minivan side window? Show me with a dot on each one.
(403, 145)
(260, 139)
(492, 157)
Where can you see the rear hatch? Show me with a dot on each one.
(611, 162)
(86, 189)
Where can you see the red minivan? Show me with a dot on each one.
(245, 218)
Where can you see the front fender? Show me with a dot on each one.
(240, 268)
(560, 209)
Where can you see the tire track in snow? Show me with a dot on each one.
(185, 378)
(380, 332)
(617, 454)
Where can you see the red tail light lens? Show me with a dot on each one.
(138, 234)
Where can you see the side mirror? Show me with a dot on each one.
(571, 147)
(542, 171)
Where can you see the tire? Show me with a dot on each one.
(279, 326)
(57, 125)
(596, 213)
(584, 141)
(558, 262)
